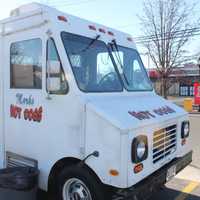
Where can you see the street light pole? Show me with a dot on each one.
(199, 67)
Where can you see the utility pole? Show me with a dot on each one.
(199, 75)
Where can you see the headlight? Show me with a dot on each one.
(185, 129)
(139, 149)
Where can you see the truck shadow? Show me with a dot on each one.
(172, 194)
(42, 195)
(164, 194)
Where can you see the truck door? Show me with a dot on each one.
(44, 119)
(24, 65)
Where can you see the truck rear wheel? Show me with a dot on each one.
(77, 183)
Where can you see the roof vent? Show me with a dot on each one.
(25, 9)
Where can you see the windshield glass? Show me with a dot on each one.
(131, 68)
(91, 64)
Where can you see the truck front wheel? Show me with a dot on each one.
(77, 183)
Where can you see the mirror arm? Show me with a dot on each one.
(48, 82)
(49, 34)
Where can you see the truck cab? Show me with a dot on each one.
(77, 103)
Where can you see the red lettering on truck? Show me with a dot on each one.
(30, 114)
(33, 114)
(15, 112)
(143, 115)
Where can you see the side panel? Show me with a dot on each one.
(101, 136)
(57, 134)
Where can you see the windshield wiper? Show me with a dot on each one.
(89, 45)
(119, 59)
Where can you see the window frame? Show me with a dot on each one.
(62, 69)
(11, 68)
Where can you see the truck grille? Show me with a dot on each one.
(164, 142)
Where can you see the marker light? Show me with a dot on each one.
(62, 18)
(138, 168)
(110, 33)
(102, 30)
(183, 142)
(130, 39)
(91, 27)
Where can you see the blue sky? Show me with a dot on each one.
(109, 12)
(119, 14)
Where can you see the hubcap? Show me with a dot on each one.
(75, 189)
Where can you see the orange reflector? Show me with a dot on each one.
(138, 168)
(110, 33)
(114, 172)
(183, 141)
(130, 39)
(102, 30)
(62, 18)
(92, 27)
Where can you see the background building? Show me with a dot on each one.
(181, 80)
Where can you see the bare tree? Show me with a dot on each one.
(167, 26)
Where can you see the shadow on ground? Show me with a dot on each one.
(42, 195)
(163, 194)
(171, 194)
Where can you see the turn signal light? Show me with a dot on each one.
(138, 168)
(183, 141)
(114, 172)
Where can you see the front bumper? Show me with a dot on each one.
(143, 189)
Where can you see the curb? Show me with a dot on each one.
(194, 113)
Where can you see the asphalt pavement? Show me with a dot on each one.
(195, 134)
(186, 185)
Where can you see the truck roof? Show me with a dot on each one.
(78, 25)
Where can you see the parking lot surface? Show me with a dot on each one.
(186, 185)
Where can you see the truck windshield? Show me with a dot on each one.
(91, 64)
(131, 68)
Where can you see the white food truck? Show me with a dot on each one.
(76, 102)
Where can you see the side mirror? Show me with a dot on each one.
(55, 85)
(53, 76)
(54, 67)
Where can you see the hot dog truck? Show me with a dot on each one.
(77, 103)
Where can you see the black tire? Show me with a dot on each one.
(94, 186)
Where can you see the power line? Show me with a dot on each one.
(140, 39)
(170, 33)
(177, 35)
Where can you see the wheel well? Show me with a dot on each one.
(60, 165)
